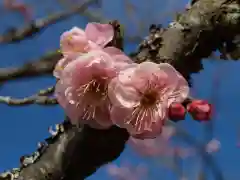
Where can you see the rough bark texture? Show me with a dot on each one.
(74, 154)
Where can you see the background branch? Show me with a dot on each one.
(43, 66)
(15, 35)
(40, 98)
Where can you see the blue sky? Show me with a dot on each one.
(21, 128)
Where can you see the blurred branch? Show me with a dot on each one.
(97, 16)
(200, 148)
(40, 98)
(21, 7)
(15, 35)
(43, 66)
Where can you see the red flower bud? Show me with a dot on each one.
(176, 112)
(200, 110)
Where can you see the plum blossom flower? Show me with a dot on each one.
(82, 88)
(154, 147)
(77, 41)
(141, 95)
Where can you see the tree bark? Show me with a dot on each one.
(75, 154)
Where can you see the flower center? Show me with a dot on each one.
(91, 96)
(149, 98)
(98, 87)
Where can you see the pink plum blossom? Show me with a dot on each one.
(141, 95)
(77, 41)
(82, 87)
(161, 149)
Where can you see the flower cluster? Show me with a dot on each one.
(200, 110)
(101, 86)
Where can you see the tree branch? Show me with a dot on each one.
(43, 66)
(97, 16)
(199, 31)
(15, 35)
(76, 153)
(40, 98)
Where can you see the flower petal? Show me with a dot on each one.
(142, 122)
(101, 34)
(73, 41)
(61, 64)
(173, 76)
(119, 114)
(181, 90)
(156, 130)
(77, 73)
(71, 109)
(120, 95)
(117, 54)
(103, 116)
(146, 75)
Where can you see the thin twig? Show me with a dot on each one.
(47, 91)
(200, 148)
(40, 98)
(43, 66)
(97, 16)
(15, 35)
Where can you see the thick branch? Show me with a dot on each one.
(198, 32)
(77, 153)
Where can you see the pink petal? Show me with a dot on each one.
(60, 94)
(156, 130)
(100, 34)
(103, 116)
(120, 95)
(73, 41)
(81, 70)
(146, 70)
(72, 111)
(77, 31)
(147, 123)
(125, 76)
(118, 55)
(60, 66)
(118, 116)
(77, 73)
(180, 93)
(147, 74)
(178, 86)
